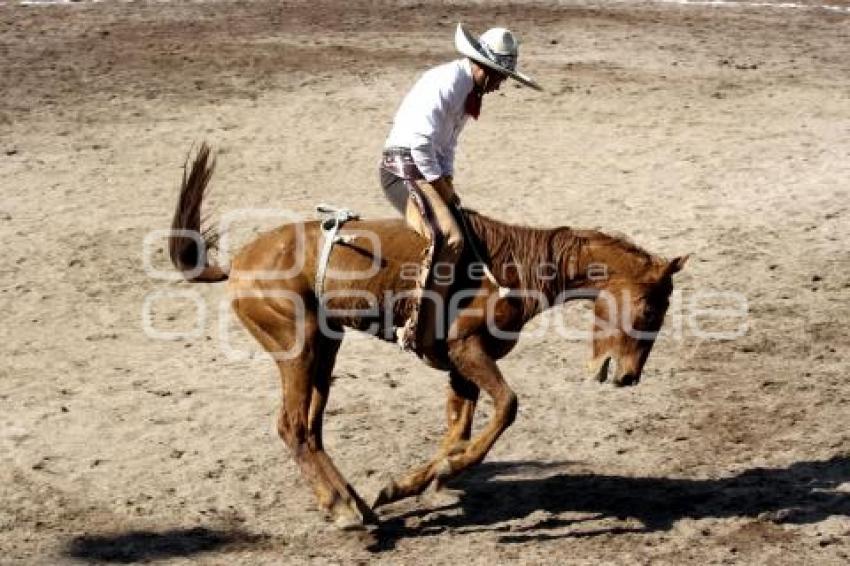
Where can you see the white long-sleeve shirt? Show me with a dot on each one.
(432, 116)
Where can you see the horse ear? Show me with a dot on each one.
(675, 265)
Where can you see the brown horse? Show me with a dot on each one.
(272, 282)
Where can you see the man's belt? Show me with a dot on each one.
(399, 162)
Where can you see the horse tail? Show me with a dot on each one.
(188, 244)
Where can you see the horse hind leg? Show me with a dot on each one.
(349, 510)
(305, 381)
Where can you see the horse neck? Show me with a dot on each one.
(515, 254)
(581, 259)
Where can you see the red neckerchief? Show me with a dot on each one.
(473, 102)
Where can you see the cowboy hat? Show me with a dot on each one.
(497, 49)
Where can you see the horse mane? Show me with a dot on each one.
(515, 252)
(620, 251)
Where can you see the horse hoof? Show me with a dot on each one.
(347, 523)
(345, 518)
(386, 495)
(442, 497)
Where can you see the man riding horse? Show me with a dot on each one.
(417, 167)
(280, 292)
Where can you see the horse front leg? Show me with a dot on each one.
(460, 410)
(473, 363)
(476, 366)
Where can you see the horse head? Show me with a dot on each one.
(628, 314)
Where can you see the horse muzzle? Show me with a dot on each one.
(627, 379)
(602, 371)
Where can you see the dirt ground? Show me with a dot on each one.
(723, 132)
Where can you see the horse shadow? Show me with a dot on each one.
(496, 494)
(804, 492)
(145, 546)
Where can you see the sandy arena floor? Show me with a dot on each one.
(723, 132)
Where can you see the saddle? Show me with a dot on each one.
(333, 220)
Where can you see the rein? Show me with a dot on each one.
(469, 236)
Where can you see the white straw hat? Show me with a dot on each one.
(497, 49)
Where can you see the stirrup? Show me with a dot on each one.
(336, 217)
